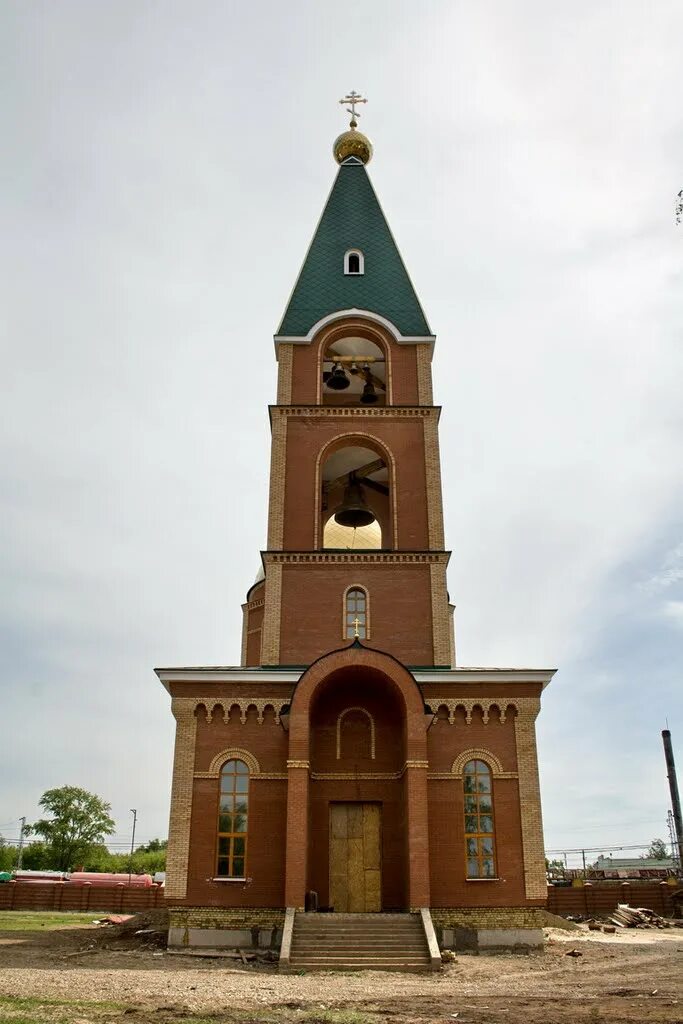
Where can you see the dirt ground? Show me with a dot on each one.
(80, 975)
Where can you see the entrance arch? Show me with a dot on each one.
(332, 674)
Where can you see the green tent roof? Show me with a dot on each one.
(353, 219)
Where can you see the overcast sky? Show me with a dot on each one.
(164, 165)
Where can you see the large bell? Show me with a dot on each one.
(354, 511)
(338, 380)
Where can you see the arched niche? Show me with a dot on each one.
(368, 466)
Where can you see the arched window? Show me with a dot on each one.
(354, 263)
(356, 613)
(233, 813)
(479, 835)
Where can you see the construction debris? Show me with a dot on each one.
(637, 917)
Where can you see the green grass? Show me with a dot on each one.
(35, 1002)
(35, 920)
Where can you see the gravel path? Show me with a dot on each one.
(647, 962)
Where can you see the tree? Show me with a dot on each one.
(79, 821)
(8, 856)
(658, 850)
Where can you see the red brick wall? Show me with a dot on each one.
(446, 741)
(400, 610)
(265, 848)
(266, 741)
(402, 437)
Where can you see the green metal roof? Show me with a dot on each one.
(353, 219)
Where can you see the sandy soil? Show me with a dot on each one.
(633, 976)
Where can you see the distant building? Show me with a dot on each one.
(632, 863)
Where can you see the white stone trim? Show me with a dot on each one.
(361, 263)
(341, 314)
(256, 676)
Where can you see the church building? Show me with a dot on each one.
(348, 765)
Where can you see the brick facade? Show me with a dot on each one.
(387, 718)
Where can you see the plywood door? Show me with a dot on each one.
(355, 858)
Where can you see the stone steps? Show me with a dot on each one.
(359, 942)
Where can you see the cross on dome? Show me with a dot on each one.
(353, 98)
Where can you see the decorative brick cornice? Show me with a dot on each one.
(356, 557)
(353, 776)
(356, 411)
(298, 764)
(243, 703)
(468, 705)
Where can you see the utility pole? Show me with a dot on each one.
(583, 855)
(132, 844)
(20, 852)
(673, 789)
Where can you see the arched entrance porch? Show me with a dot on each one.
(357, 770)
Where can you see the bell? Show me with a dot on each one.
(354, 511)
(369, 396)
(338, 380)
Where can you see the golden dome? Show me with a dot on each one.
(352, 143)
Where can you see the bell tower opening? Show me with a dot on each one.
(354, 372)
(355, 500)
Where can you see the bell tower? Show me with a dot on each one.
(355, 525)
(347, 758)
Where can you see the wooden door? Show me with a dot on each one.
(355, 858)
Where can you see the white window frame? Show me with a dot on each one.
(361, 262)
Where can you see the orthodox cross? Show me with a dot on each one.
(353, 98)
(356, 624)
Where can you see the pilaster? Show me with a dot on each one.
(535, 882)
(278, 457)
(270, 632)
(285, 359)
(440, 616)
(423, 355)
(433, 479)
(178, 856)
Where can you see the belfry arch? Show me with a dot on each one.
(355, 471)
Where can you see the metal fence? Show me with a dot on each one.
(600, 898)
(117, 898)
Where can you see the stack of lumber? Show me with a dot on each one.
(637, 917)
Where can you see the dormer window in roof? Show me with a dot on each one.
(354, 262)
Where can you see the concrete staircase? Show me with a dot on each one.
(360, 942)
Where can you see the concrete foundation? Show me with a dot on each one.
(491, 940)
(224, 938)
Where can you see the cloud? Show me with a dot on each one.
(163, 177)
(671, 571)
(673, 611)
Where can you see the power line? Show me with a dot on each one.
(598, 849)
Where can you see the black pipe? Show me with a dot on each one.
(673, 789)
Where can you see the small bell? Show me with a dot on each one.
(338, 381)
(354, 511)
(369, 396)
